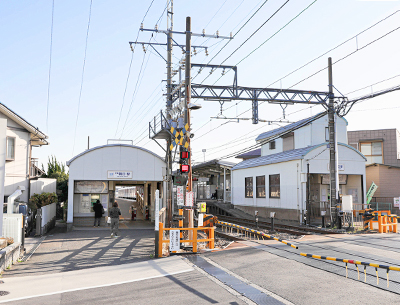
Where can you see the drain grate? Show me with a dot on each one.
(2, 293)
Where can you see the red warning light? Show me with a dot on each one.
(185, 155)
(185, 168)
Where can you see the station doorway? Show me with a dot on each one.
(99, 173)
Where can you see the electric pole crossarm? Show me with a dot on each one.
(184, 33)
(248, 119)
(163, 44)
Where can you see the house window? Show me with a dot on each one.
(260, 183)
(373, 151)
(10, 148)
(274, 186)
(272, 145)
(249, 187)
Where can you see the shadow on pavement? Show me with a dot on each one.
(75, 250)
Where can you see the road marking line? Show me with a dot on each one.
(98, 286)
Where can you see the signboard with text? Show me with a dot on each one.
(174, 241)
(119, 175)
(179, 195)
(396, 202)
(189, 199)
(91, 187)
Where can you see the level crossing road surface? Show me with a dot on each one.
(86, 266)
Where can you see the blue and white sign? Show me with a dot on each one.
(119, 175)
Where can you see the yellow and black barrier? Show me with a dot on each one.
(357, 263)
(232, 225)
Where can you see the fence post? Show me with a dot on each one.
(212, 238)
(194, 240)
(160, 239)
(39, 222)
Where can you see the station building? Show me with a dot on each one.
(96, 173)
(275, 178)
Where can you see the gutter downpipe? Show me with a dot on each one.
(12, 198)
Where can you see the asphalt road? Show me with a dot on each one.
(185, 288)
(296, 282)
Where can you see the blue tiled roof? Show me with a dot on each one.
(251, 154)
(289, 128)
(288, 155)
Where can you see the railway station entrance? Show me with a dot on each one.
(100, 173)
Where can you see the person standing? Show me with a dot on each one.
(98, 213)
(114, 213)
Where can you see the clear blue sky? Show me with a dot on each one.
(24, 66)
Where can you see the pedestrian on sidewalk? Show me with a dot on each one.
(98, 213)
(114, 213)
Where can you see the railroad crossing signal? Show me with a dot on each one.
(180, 137)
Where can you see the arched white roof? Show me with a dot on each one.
(97, 162)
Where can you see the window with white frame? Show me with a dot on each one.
(249, 187)
(373, 151)
(10, 148)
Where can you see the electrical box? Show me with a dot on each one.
(347, 203)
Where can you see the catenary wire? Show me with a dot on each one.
(346, 56)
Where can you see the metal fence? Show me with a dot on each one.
(354, 219)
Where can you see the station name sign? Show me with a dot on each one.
(119, 174)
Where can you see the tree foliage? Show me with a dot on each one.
(39, 200)
(56, 170)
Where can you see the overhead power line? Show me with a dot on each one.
(248, 20)
(83, 73)
(346, 56)
(129, 71)
(140, 71)
(48, 86)
(334, 48)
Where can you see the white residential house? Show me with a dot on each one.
(17, 167)
(276, 181)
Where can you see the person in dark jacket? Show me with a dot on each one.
(98, 213)
(114, 213)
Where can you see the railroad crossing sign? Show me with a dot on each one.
(180, 137)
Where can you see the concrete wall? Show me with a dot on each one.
(391, 142)
(293, 181)
(43, 185)
(386, 178)
(3, 128)
(17, 170)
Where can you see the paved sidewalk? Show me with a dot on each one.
(49, 284)
(81, 249)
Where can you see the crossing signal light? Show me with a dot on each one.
(185, 168)
(185, 155)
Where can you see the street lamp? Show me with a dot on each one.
(204, 153)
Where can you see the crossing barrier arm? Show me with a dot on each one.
(232, 225)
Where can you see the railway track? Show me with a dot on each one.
(294, 230)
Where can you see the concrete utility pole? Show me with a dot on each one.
(170, 25)
(188, 83)
(332, 147)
